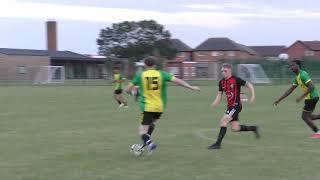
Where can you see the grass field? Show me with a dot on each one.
(77, 133)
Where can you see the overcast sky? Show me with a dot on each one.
(264, 22)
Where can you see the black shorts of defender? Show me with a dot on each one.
(118, 91)
(150, 117)
(234, 112)
(310, 104)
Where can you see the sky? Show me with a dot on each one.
(249, 22)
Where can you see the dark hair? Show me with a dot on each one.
(297, 62)
(150, 61)
(227, 65)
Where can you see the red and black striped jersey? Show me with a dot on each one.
(232, 88)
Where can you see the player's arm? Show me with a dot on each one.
(117, 81)
(129, 88)
(310, 88)
(287, 93)
(182, 83)
(217, 101)
(252, 92)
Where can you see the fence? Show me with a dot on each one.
(277, 72)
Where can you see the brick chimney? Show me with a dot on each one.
(52, 36)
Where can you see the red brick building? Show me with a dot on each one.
(184, 51)
(182, 65)
(304, 49)
(268, 52)
(214, 49)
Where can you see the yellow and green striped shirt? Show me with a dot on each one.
(302, 80)
(117, 85)
(153, 89)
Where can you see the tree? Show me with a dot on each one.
(135, 40)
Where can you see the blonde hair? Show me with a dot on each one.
(227, 65)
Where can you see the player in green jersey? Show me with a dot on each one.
(118, 81)
(310, 96)
(152, 85)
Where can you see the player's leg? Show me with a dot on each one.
(309, 106)
(236, 127)
(115, 96)
(315, 116)
(223, 129)
(152, 126)
(152, 146)
(136, 96)
(147, 119)
(136, 93)
(121, 99)
(306, 116)
(143, 131)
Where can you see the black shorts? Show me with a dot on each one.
(234, 112)
(310, 104)
(118, 91)
(150, 117)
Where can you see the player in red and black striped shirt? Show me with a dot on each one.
(231, 86)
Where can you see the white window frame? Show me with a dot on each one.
(215, 53)
(231, 53)
(308, 53)
(22, 69)
(199, 53)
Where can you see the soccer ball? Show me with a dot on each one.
(136, 149)
(283, 57)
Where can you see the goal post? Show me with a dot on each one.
(253, 73)
(48, 74)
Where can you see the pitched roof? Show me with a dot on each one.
(66, 54)
(312, 45)
(268, 51)
(247, 49)
(180, 46)
(223, 44)
(32, 52)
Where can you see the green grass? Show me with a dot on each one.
(77, 132)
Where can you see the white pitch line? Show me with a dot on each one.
(9, 113)
(200, 134)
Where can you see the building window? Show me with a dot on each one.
(309, 53)
(22, 69)
(180, 54)
(201, 54)
(231, 53)
(174, 70)
(214, 53)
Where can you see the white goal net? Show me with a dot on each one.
(49, 74)
(253, 73)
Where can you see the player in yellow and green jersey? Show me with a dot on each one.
(152, 85)
(118, 81)
(310, 96)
